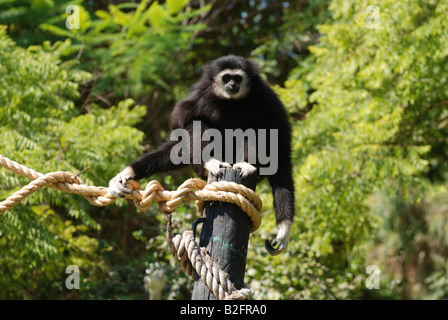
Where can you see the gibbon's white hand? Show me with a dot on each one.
(117, 186)
(282, 239)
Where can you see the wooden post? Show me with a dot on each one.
(225, 233)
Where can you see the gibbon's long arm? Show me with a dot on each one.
(158, 161)
(282, 186)
(283, 193)
(145, 166)
(155, 162)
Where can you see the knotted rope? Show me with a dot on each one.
(184, 248)
(168, 201)
(194, 259)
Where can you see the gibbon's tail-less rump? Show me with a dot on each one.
(229, 103)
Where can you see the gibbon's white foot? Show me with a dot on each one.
(117, 186)
(246, 169)
(282, 239)
(213, 166)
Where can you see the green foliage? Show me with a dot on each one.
(378, 102)
(438, 280)
(41, 128)
(24, 17)
(291, 39)
(142, 47)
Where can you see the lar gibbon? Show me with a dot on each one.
(230, 95)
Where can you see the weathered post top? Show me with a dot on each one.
(225, 234)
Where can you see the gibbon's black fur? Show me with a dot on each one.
(244, 102)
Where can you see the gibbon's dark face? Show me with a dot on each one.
(231, 77)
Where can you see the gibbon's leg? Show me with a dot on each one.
(246, 168)
(208, 162)
(145, 166)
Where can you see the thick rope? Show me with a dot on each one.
(193, 259)
(168, 201)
